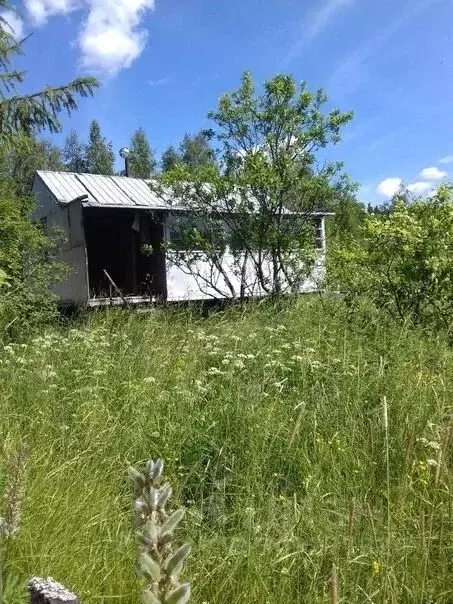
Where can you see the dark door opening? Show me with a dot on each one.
(120, 241)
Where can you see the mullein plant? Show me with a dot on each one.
(11, 509)
(160, 563)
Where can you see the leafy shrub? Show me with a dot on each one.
(26, 266)
(404, 261)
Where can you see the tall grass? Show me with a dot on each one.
(270, 420)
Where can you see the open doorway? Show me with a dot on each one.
(119, 243)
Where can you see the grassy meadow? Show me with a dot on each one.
(297, 439)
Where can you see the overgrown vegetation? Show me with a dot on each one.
(310, 445)
(249, 214)
(26, 267)
(402, 261)
(272, 422)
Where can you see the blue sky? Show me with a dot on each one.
(164, 64)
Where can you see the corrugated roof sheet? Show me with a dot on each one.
(116, 192)
(63, 185)
(101, 191)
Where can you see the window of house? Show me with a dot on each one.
(182, 228)
(319, 234)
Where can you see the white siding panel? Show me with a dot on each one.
(77, 234)
(74, 289)
(182, 286)
(44, 199)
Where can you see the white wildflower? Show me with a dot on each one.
(297, 358)
(214, 371)
(200, 386)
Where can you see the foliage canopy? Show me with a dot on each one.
(267, 168)
(403, 262)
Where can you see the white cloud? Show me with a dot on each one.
(420, 187)
(315, 24)
(389, 186)
(112, 38)
(41, 10)
(432, 174)
(448, 159)
(15, 23)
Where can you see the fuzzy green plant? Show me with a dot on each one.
(10, 517)
(160, 562)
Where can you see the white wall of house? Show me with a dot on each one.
(182, 286)
(66, 222)
(195, 285)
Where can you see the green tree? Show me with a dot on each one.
(28, 113)
(170, 159)
(196, 152)
(26, 266)
(19, 163)
(349, 217)
(99, 156)
(242, 228)
(142, 162)
(74, 153)
(403, 261)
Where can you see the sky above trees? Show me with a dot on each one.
(164, 64)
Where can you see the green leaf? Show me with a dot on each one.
(149, 567)
(136, 476)
(164, 495)
(3, 277)
(178, 558)
(149, 598)
(158, 469)
(180, 595)
(171, 523)
(149, 467)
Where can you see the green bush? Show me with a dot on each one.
(404, 261)
(26, 267)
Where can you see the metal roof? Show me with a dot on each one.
(101, 191)
(95, 190)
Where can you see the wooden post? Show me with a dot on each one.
(48, 591)
(112, 282)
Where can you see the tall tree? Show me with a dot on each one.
(196, 151)
(74, 153)
(26, 269)
(19, 163)
(142, 162)
(241, 240)
(99, 156)
(29, 113)
(170, 159)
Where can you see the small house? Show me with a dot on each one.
(107, 222)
